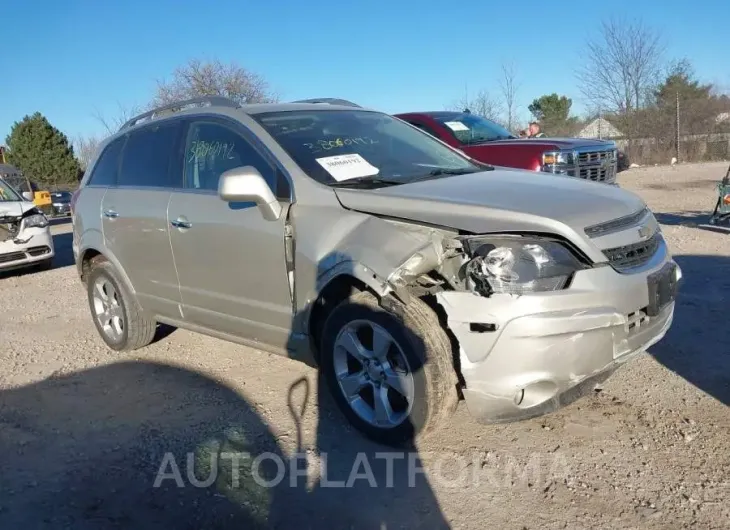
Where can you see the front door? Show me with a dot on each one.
(134, 215)
(230, 260)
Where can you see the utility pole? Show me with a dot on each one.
(676, 138)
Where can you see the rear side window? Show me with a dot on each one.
(425, 128)
(105, 170)
(147, 157)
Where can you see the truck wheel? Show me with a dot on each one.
(390, 371)
(117, 315)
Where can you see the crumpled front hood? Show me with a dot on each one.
(14, 208)
(501, 201)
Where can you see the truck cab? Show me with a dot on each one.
(490, 143)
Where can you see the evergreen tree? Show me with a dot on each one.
(42, 152)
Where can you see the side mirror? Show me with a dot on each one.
(245, 184)
(28, 196)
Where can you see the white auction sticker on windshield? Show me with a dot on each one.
(345, 167)
(456, 126)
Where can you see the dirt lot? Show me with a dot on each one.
(84, 432)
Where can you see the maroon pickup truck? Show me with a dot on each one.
(488, 142)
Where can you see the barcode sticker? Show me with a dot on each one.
(345, 167)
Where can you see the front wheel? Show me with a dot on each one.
(390, 372)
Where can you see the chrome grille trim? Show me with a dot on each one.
(616, 225)
(634, 255)
(598, 165)
(593, 157)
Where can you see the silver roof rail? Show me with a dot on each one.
(329, 101)
(177, 106)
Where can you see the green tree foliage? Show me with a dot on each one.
(697, 103)
(553, 112)
(680, 81)
(42, 152)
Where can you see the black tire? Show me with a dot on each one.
(138, 330)
(426, 346)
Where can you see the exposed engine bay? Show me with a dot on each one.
(9, 228)
(10, 225)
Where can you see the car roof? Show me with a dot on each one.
(220, 104)
(436, 113)
(260, 108)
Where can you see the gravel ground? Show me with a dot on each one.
(85, 433)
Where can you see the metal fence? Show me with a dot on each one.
(686, 130)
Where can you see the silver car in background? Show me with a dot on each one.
(25, 235)
(410, 274)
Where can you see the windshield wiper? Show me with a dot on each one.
(366, 182)
(442, 172)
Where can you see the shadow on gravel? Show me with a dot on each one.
(85, 451)
(692, 219)
(63, 244)
(696, 347)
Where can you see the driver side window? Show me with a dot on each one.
(212, 148)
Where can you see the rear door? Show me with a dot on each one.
(230, 260)
(134, 214)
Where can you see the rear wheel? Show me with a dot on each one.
(117, 315)
(390, 371)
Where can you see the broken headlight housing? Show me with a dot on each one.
(37, 220)
(518, 265)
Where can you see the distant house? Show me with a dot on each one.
(722, 117)
(599, 128)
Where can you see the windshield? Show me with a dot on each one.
(20, 184)
(333, 146)
(7, 193)
(470, 129)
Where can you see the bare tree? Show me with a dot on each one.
(622, 64)
(85, 148)
(509, 86)
(112, 124)
(482, 105)
(213, 78)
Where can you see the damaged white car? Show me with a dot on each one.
(410, 274)
(25, 237)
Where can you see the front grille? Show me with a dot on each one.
(594, 157)
(12, 256)
(598, 166)
(38, 251)
(636, 321)
(635, 254)
(595, 173)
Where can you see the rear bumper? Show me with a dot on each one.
(37, 249)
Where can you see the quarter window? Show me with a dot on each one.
(212, 149)
(106, 169)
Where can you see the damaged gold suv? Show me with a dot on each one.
(410, 274)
